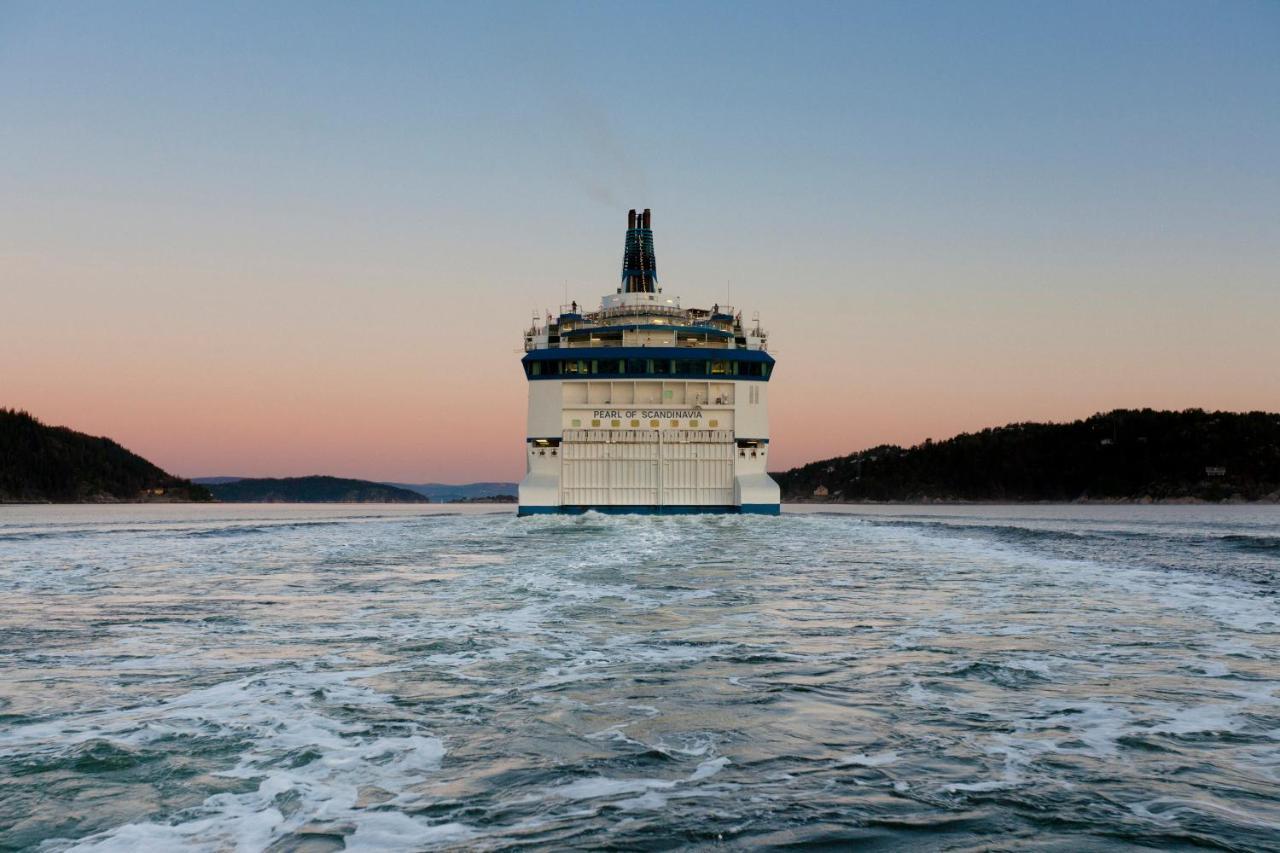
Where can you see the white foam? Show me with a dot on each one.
(1212, 719)
(709, 768)
(1172, 808)
(1098, 725)
(602, 786)
(598, 787)
(877, 759)
(650, 801)
(1039, 666)
(382, 831)
(1213, 668)
(283, 713)
(978, 787)
(918, 694)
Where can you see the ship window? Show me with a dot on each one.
(577, 422)
(693, 424)
(653, 424)
(595, 366)
(637, 365)
(675, 424)
(615, 424)
(535, 368)
(689, 367)
(635, 424)
(660, 365)
(713, 423)
(720, 367)
(595, 422)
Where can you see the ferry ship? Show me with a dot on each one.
(644, 406)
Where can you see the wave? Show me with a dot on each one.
(1252, 544)
(251, 529)
(1170, 542)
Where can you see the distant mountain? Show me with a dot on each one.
(316, 489)
(1124, 455)
(437, 492)
(448, 492)
(40, 463)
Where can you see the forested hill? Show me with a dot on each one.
(312, 490)
(1133, 455)
(40, 463)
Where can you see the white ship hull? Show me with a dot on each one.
(615, 446)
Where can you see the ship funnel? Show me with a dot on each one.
(639, 269)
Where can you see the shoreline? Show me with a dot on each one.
(1144, 501)
(1095, 502)
(254, 503)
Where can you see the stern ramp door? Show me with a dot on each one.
(677, 467)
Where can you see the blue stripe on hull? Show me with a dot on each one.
(745, 509)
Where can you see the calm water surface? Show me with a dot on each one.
(381, 678)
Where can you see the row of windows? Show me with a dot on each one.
(653, 424)
(646, 367)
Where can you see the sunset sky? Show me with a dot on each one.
(293, 238)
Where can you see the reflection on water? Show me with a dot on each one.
(303, 678)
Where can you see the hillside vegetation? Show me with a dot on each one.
(1124, 455)
(48, 464)
(315, 489)
(455, 492)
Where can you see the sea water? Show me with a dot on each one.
(402, 678)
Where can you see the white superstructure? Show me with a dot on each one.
(645, 406)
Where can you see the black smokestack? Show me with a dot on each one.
(639, 269)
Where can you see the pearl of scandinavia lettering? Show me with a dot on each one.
(647, 413)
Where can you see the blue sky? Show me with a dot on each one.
(1056, 207)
